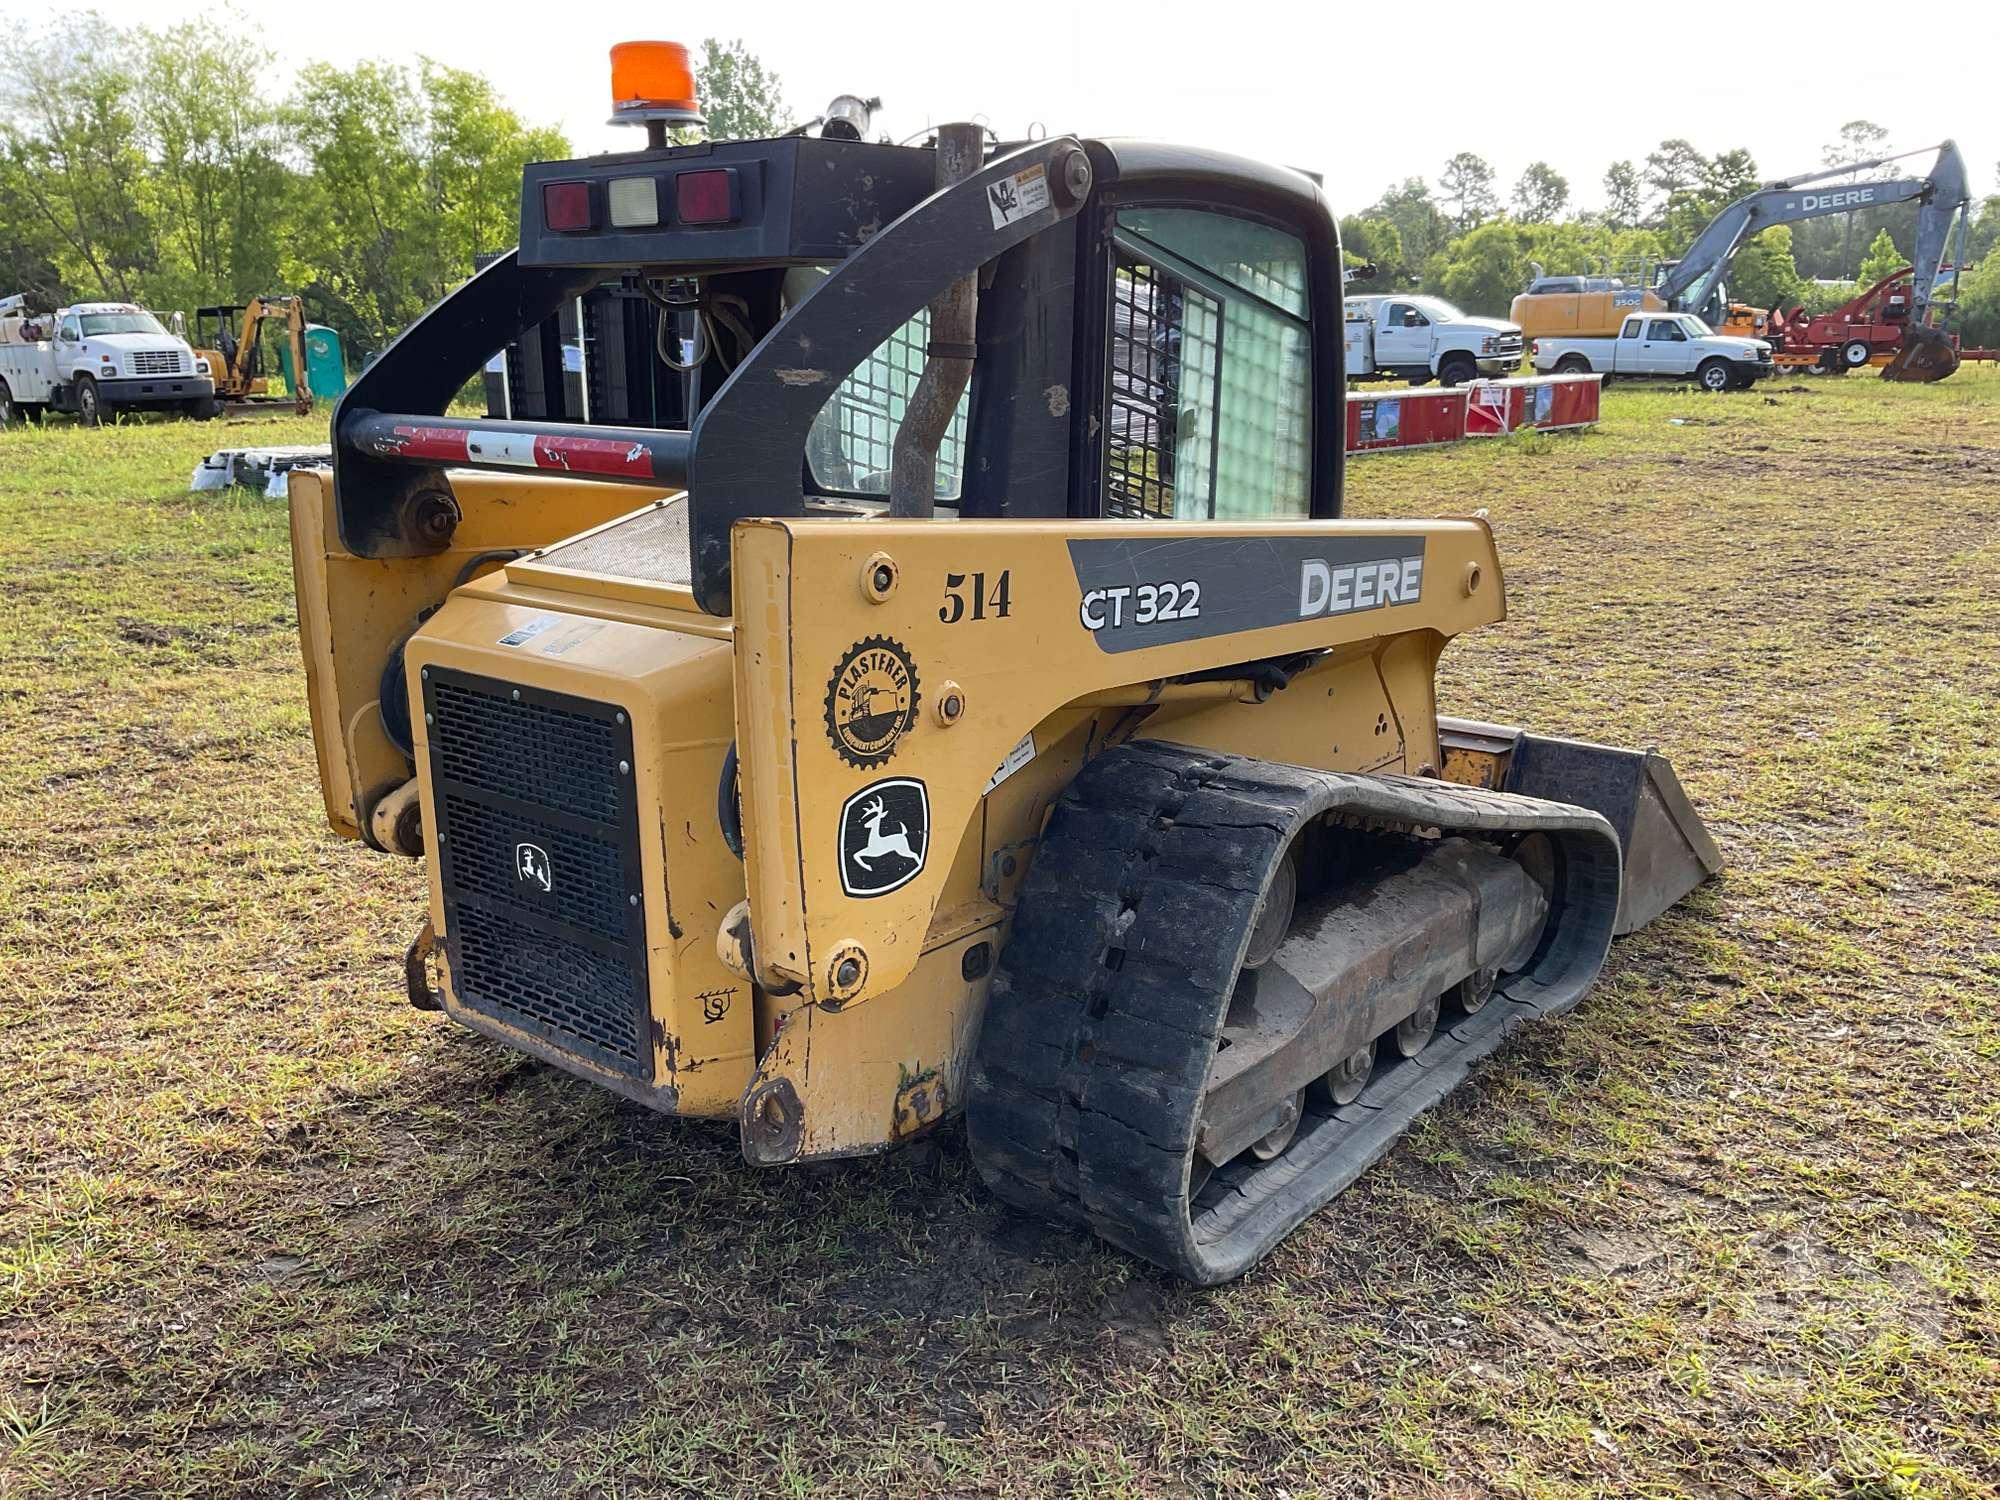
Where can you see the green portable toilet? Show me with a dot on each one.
(326, 366)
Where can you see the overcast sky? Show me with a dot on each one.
(1577, 86)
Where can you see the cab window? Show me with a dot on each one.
(1208, 411)
(1666, 330)
(69, 334)
(1633, 329)
(854, 436)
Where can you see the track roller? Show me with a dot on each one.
(1414, 1032)
(1343, 1083)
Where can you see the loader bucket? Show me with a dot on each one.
(1926, 355)
(1668, 851)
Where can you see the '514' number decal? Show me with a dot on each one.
(981, 604)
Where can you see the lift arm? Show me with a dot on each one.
(1695, 283)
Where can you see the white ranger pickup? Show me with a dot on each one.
(1661, 344)
(1414, 338)
(93, 359)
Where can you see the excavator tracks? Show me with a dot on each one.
(1113, 999)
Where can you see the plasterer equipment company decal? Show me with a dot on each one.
(884, 834)
(1135, 593)
(871, 701)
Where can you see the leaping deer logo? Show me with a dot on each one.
(879, 843)
(531, 866)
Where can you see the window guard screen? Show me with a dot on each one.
(1158, 414)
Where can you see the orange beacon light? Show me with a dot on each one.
(652, 84)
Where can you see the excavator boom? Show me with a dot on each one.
(1694, 284)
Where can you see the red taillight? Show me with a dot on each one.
(566, 206)
(706, 197)
(1535, 347)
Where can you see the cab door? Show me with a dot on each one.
(1661, 351)
(1403, 337)
(1625, 356)
(70, 348)
(1214, 385)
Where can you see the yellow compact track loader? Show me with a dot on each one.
(963, 696)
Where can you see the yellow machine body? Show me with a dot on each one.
(1601, 314)
(861, 1011)
(1579, 314)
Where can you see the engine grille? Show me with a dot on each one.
(158, 362)
(538, 853)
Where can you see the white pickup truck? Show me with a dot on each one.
(1414, 338)
(1661, 344)
(93, 359)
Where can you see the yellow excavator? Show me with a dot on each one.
(969, 700)
(229, 339)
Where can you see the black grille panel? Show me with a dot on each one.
(538, 855)
(550, 986)
(588, 879)
(549, 756)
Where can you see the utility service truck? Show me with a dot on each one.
(1677, 345)
(1420, 338)
(95, 358)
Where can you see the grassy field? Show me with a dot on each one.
(1734, 1227)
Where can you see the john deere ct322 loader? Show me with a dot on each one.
(962, 695)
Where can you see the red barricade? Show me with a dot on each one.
(1547, 403)
(1404, 419)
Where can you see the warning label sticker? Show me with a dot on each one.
(1016, 758)
(1011, 198)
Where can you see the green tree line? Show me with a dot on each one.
(159, 167)
(1463, 240)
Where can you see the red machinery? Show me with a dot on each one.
(1858, 332)
(1870, 329)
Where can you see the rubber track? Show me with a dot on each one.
(1105, 1008)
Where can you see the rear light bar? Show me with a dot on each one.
(701, 198)
(566, 206)
(634, 202)
(627, 455)
(707, 196)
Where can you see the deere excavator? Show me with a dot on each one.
(1586, 305)
(973, 704)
